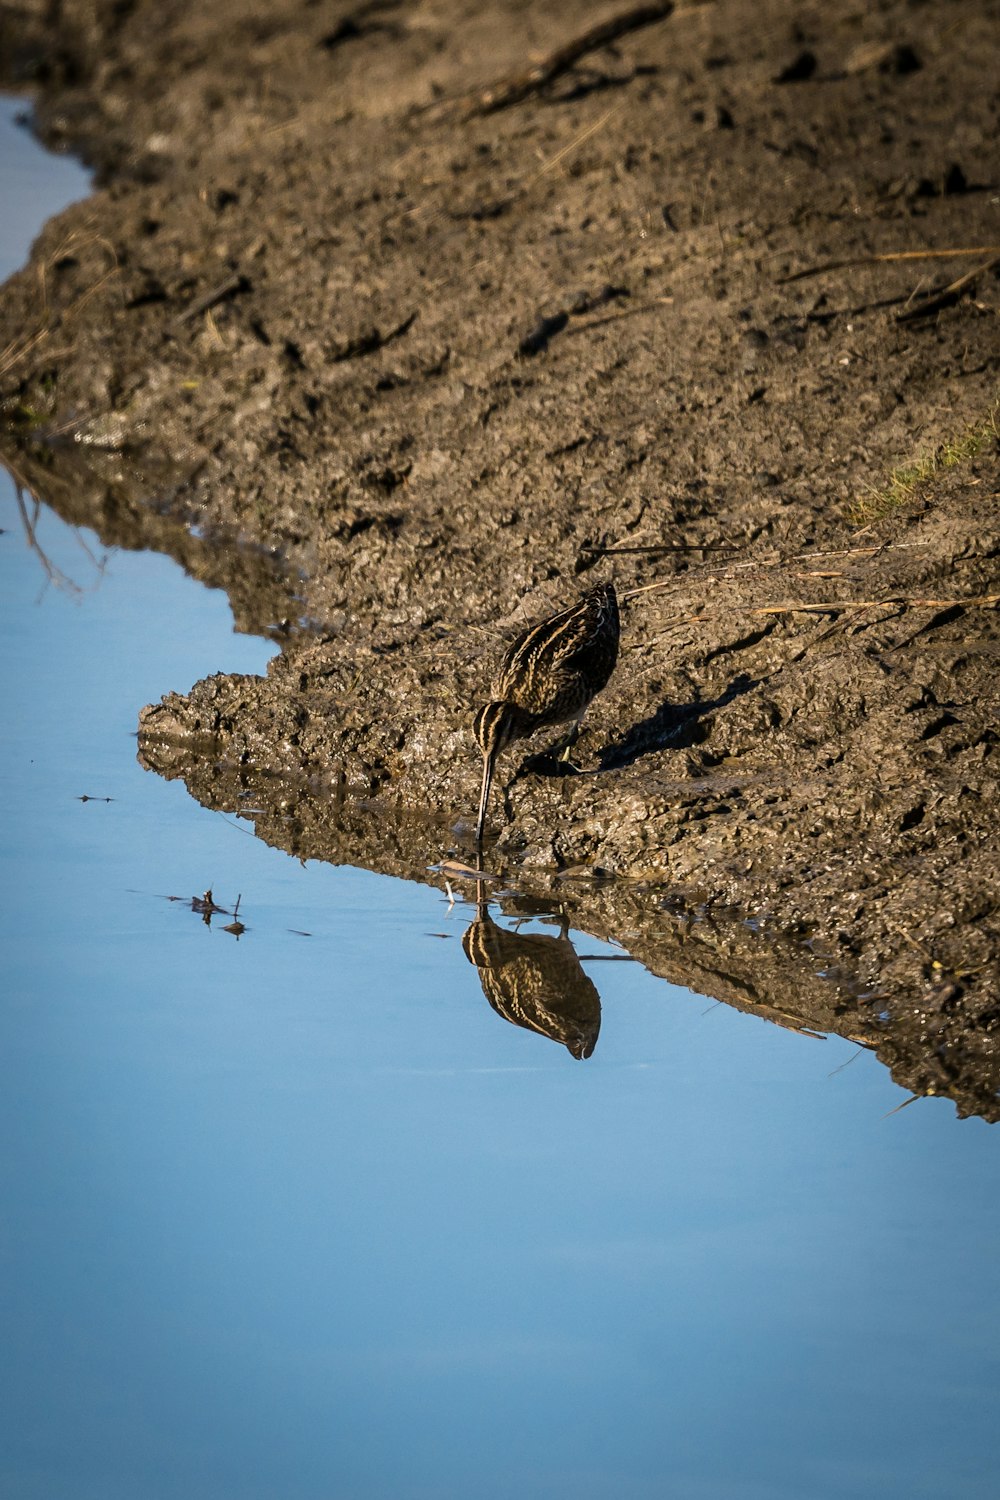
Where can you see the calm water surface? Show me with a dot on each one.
(298, 1216)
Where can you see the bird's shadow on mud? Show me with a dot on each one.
(673, 726)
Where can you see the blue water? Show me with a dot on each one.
(299, 1216)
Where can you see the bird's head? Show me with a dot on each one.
(495, 726)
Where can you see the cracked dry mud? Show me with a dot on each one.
(401, 372)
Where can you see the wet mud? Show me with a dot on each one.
(408, 325)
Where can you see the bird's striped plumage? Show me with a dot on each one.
(548, 675)
(535, 981)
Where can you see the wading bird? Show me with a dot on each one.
(548, 675)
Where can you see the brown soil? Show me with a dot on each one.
(430, 336)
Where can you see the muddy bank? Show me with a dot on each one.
(436, 365)
(914, 1015)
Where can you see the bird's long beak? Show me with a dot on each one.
(488, 762)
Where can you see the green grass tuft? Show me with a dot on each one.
(906, 480)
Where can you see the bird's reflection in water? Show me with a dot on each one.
(535, 981)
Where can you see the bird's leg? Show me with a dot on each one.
(570, 740)
(555, 760)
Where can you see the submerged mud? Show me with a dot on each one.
(406, 337)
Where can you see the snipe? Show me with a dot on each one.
(548, 676)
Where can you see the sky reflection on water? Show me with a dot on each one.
(301, 1216)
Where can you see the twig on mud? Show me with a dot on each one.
(828, 314)
(852, 551)
(924, 952)
(232, 285)
(841, 621)
(830, 607)
(372, 340)
(662, 547)
(934, 301)
(976, 601)
(515, 88)
(623, 312)
(874, 548)
(520, 188)
(833, 606)
(891, 255)
(547, 326)
(763, 565)
(16, 350)
(567, 150)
